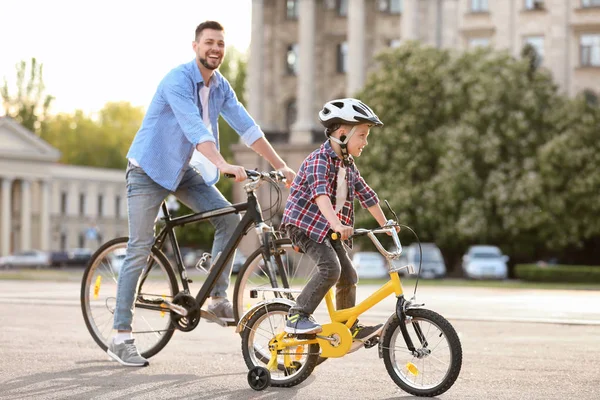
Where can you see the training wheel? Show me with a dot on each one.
(259, 378)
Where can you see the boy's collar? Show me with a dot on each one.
(329, 150)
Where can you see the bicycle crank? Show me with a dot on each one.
(185, 312)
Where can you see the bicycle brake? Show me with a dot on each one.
(200, 265)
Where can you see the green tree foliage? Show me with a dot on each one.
(460, 155)
(28, 105)
(96, 142)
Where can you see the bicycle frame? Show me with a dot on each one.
(253, 216)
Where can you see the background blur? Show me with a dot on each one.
(490, 107)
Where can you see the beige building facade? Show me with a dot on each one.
(49, 206)
(305, 52)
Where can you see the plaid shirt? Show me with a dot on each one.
(317, 176)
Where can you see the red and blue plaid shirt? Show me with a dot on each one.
(317, 176)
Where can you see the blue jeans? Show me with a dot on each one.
(334, 267)
(144, 197)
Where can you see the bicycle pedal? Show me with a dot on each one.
(372, 342)
(306, 336)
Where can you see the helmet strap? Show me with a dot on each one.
(343, 142)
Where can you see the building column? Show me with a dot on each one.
(45, 216)
(449, 24)
(305, 89)
(6, 212)
(356, 46)
(25, 215)
(410, 20)
(256, 64)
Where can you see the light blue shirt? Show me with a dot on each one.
(173, 126)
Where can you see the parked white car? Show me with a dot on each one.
(485, 262)
(370, 265)
(433, 265)
(30, 258)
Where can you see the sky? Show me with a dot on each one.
(96, 51)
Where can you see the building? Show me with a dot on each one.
(50, 206)
(301, 50)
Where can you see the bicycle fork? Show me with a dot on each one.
(401, 306)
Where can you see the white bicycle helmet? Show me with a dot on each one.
(347, 111)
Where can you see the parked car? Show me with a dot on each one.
(370, 265)
(238, 262)
(433, 265)
(59, 258)
(79, 257)
(481, 262)
(30, 258)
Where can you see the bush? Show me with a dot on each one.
(558, 273)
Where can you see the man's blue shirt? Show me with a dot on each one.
(173, 126)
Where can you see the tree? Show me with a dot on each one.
(28, 106)
(458, 156)
(102, 142)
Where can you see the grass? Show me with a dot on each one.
(75, 275)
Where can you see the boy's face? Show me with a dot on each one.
(358, 141)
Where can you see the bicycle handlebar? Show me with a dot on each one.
(389, 227)
(256, 175)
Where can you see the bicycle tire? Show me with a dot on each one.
(258, 355)
(98, 317)
(401, 374)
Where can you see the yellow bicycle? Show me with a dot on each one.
(420, 348)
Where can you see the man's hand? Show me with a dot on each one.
(239, 172)
(343, 230)
(289, 175)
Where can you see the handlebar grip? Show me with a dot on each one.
(229, 176)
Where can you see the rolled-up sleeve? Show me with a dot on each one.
(181, 100)
(317, 171)
(238, 118)
(366, 196)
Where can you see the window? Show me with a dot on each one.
(590, 50)
(537, 42)
(534, 4)
(118, 206)
(81, 204)
(81, 240)
(479, 42)
(63, 241)
(291, 11)
(479, 5)
(590, 3)
(341, 7)
(390, 6)
(291, 59)
(100, 205)
(342, 57)
(291, 113)
(63, 203)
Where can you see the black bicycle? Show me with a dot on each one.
(160, 306)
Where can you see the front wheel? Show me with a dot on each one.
(437, 361)
(152, 327)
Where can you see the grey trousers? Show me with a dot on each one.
(333, 266)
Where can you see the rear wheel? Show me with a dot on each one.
(438, 359)
(151, 323)
(263, 326)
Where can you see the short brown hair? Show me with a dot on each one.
(208, 25)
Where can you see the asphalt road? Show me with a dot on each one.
(517, 344)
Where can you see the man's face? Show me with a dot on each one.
(210, 48)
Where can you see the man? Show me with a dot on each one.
(176, 150)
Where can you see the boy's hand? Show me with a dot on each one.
(392, 222)
(344, 231)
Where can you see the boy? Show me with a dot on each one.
(320, 202)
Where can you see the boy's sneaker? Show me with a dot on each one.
(223, 309)
(126, 353)
(301, 324)
(361, 333)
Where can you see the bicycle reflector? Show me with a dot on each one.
(412, 368)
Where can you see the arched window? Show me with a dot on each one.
(291, 59)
